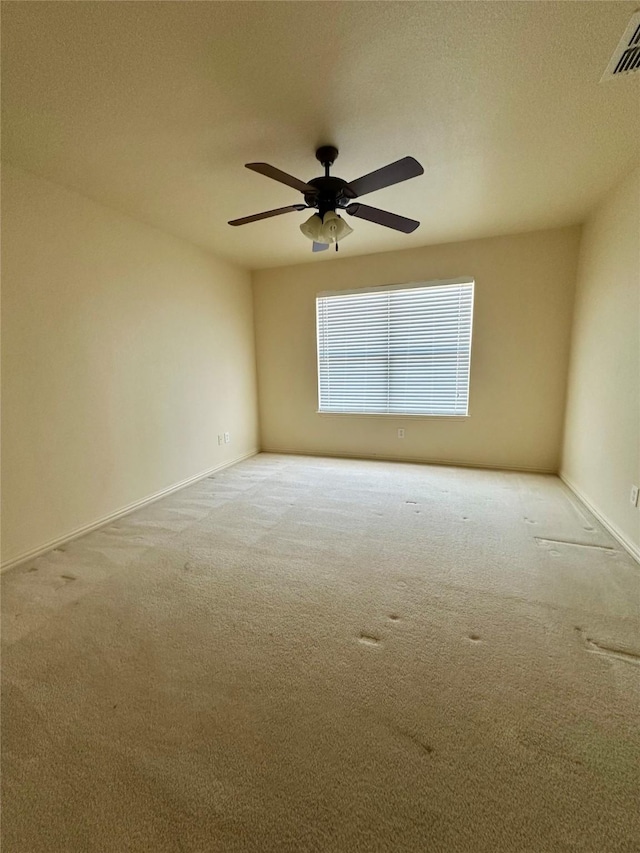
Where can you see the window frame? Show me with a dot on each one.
(385, 288)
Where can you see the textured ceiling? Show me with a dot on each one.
(153, 108)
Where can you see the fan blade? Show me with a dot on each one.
(319, 247)
(277, 175)
(267, 214)
(383, 217)
(394, 173)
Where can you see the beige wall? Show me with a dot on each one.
(125, 351)
(523, 303)
(601, 456)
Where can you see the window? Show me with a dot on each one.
(396, 350)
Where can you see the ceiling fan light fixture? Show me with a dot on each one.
(312, 228)
(327, 229)
(334, 228)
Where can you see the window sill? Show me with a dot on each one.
(396, 415)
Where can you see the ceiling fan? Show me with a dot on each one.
(328, 195)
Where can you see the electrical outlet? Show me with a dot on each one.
(220, 439)
(227, 439)
(634, 496)
(400, 433)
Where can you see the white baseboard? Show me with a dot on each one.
(107, 519)
(414, 460)
(615, 531)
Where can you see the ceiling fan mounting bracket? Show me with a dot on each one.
(327, 155)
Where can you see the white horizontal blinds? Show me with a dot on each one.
(402, 351)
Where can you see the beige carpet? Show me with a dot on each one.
(328, 655)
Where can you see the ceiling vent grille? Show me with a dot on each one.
(627, 55)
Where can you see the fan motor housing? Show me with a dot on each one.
(331, 193)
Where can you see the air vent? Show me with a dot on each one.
(626, 59)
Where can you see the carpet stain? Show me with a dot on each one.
(369, 639)
(186, 567)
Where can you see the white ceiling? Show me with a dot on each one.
(153, 108)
